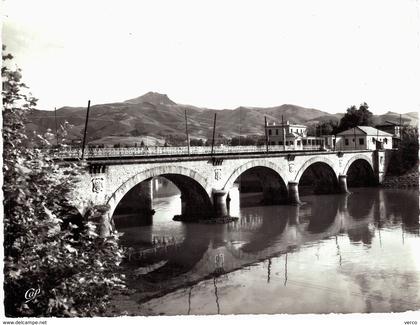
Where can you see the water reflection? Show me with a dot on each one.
(169, 255)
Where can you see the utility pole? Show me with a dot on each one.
(84, 133)
(186, 131)
(354, 135)
(400, 128)
(55, 120)
(214, 130)
(284, 133)
(240, 126)
(266, 133)
(320, 136)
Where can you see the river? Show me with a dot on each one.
(335, 254)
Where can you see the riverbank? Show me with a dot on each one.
(408, 180)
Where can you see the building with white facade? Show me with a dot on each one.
(362, 137)
(394, 129)
(292, 137)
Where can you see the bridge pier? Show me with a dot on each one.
(219, 202)
(294, 193)
(342, 184)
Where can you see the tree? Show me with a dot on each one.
(407, 155)
(355, 117)
(244, 141)
(323, 128)
(196, 142)
(327, 127)
(49, 248)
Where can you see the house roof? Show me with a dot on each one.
(386, 125)
(293, 135)
(366, 130)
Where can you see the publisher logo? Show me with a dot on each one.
(31, 294)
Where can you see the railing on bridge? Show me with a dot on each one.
(70, 152)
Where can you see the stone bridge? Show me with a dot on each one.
(206, 180)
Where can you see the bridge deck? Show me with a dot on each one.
(136, 155)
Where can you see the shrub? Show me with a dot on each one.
(48, 246)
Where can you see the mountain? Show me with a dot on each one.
(153, 118)
(407, 118)
(152, 97)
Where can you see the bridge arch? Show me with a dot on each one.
(317, 176)
(360, 172)
(187, 180)
(357, 157)
(312, 161)
(260, 175)
(251, 164)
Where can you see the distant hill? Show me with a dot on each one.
(154, 117)
(410, 118)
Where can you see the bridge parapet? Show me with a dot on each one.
(75, 153)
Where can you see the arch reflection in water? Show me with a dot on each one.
(264, 232)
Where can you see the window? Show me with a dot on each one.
(269, 132)
(346, 142)
(277, 131)
(385, 140)
(281, 143)
(361, 141)
(298, 143)
(333, 142)
(304, 142)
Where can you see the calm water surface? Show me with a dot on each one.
(336, 253)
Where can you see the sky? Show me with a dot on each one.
(324, 54)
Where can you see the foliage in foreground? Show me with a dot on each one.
(47, 245)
